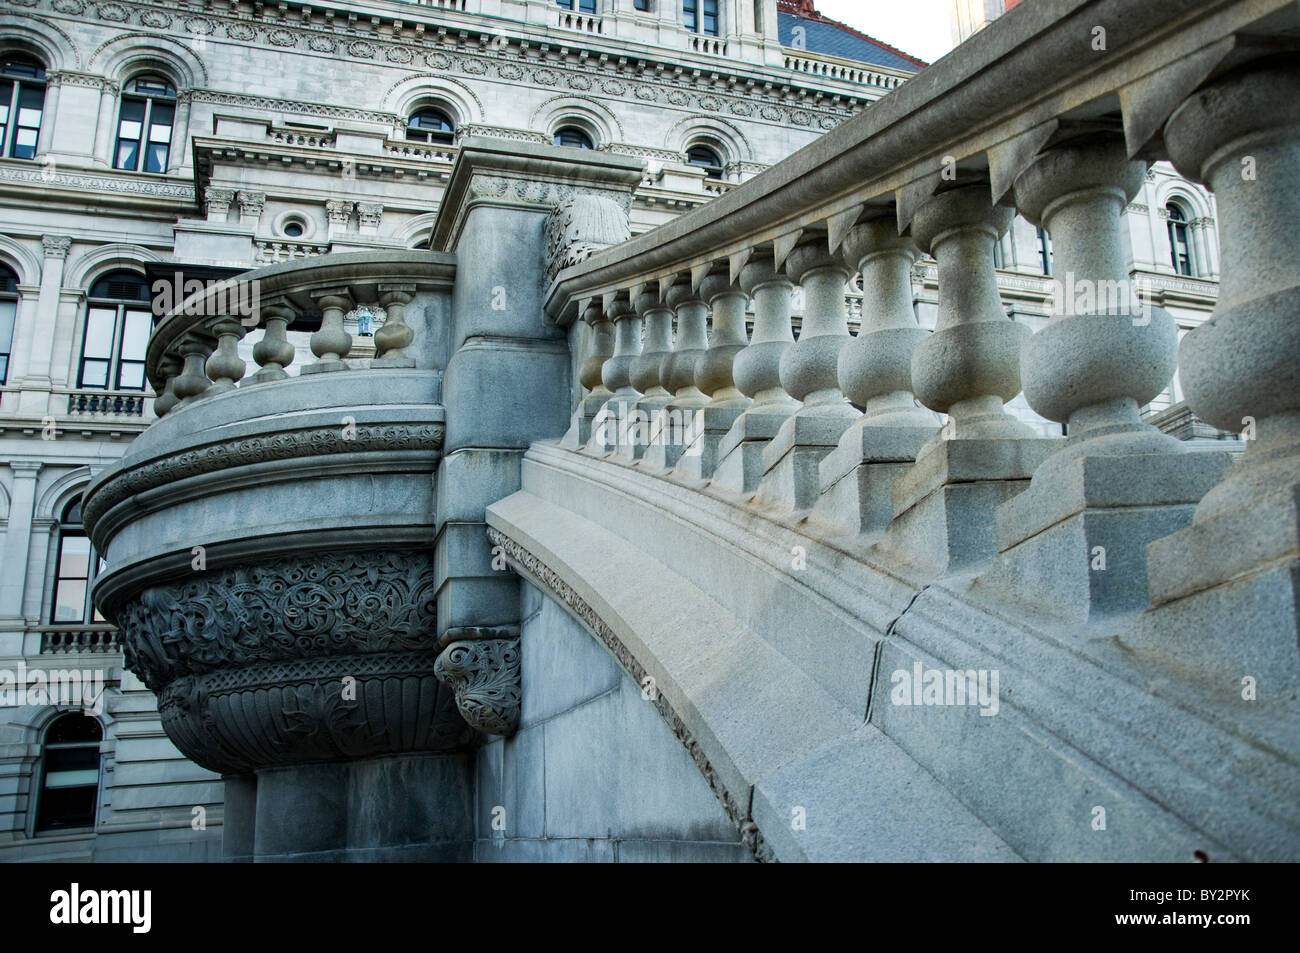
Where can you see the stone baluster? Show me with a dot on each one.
(193, 382)
(612, 421)
(225, 367)
(331, 343)
(809, 373)
(714, 376)
(647, 371)
(672, 429)
(944, 503)
(273, 353)
(396, 335)
(875, 372)
(599, 348)
(1116, 483)
(757, 373)
(170, 367)
(1237, 562)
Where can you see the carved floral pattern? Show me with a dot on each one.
(485, 676)
(304, 606)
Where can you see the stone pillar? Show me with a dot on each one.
(331, 342)
(714, 376)
(106, 125)
(875, 372)
(809, 373)
(40, 353)
(1225, 589)
(610, 426)
(968, 368)
(757, 372)
(599, 349)
(507, 382)
(647, 370)
(1116, 483)
(672, 431)
(13, 581)
(393, 338)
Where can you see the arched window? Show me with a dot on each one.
(22, 101)
(69, 774)
(144, 126)
(700, 16)
(1180, 244)
(431, 125)
(118, 324)
(707, 159)
(8, 317)
(77, 566)
(574, 137)
(582, 6)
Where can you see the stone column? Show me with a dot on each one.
(714, 376)
(671, 431)
(13, 581)
(875, 372)
(106, 126)
(47, 310)
(1225, 588)
(647, 370)
(809, 373)
(331, 343)
(599, 349)
(757, 372)
(1116, 483)
(611, 421)
(968, 368)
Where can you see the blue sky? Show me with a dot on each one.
(919, 27)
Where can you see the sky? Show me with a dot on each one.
(919, 27)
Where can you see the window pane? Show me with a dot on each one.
(126, 151)
(133, 109)
(135, 335)
(99, 332)
(130, 129)
(94, 374)
(70, 600)
(8, 310)
(160, 123)
(72, 779)
(130, 376)
(156, 159)
(74, 557)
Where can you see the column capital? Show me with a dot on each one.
(26, 469)
(56, 246)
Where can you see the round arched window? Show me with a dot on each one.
(707, 159)
(22, 103)
(69, 773)
(573, 137)
(431, 125)
(144, 126)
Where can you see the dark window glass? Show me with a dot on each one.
(1180, 244)
(144, 125)
(641, 4)
(691, 15)
(116, 334)
(431, 125)
(76, 568)
(8, 317)
(22, 104)
(574, 137)
(583, 6)
(69, 774)
(709, 24)
(293, 229)
(707, 159)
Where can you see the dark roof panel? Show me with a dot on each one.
(835, 39)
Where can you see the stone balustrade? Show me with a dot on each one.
(194, 353)
(843, 432)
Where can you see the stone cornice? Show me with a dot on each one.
(128, 185)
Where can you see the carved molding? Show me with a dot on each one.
(316, 441)
(528, 565)
(485, 676)
(44, 177)
(581, 226)
(323, 709)
(304, 606)
(56, 246)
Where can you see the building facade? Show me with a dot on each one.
(171, 142)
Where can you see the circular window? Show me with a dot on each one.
(293, 229)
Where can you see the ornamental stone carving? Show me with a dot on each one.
(485, 677)
(581, 226)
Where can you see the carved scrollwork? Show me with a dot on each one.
(486, 679)
(307, 606)
(580, 226)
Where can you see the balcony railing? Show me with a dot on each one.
(847, 71)
(69, 640)
(105, 403)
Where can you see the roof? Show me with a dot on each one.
(832, 38)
